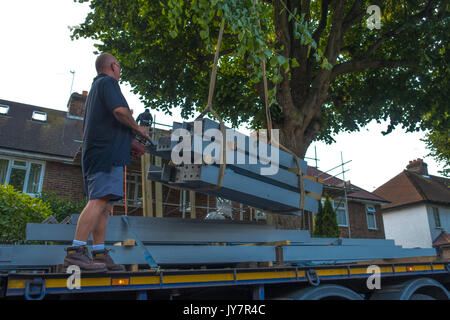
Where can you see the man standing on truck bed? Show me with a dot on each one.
(107, 134)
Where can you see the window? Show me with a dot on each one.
(25, 176)
(437, 218)
(39, 116)
(371, 218)
(341, 213)
(3, 170)
(4, 109)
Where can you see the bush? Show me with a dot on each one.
(326, 221)
(62, 207)
(16, 210)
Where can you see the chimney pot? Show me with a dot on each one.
(418, 166)
(77, 104)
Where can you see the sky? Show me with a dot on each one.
(37, 57)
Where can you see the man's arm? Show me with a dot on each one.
(124, 116)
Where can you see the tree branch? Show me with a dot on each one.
(355, 14)
(360, 65)
(426, 12)
(323, 21)
(335, 38)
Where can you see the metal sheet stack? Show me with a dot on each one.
(246, 179)
(186, 242)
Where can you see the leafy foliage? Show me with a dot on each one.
(16, 210)
(62, 207)
(327, 71)
(439, 144)
(326, 221)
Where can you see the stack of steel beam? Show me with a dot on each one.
(257, 174)
(174, 241)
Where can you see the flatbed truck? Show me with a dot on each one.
(358, 281)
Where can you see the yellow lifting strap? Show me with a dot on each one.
(209, 108)
(269, 136)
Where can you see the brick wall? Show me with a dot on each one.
(77, 104)
(64, 179)
(358, 222)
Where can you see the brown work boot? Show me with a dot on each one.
(79, 256)
(102, 256)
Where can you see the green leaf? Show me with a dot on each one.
(204, 34)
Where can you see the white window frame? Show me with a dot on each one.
(27, 173)
(4, 107)
(343, 206)
(39, 116)
(435, 211)
(372, 213)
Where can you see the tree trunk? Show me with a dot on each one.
(302, 95)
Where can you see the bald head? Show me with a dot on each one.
(106, 63)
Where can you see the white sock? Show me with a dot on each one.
(98, 247)
(77, 243)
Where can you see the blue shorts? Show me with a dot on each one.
(101, 184)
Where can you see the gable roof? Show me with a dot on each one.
(442, 240)
(335, 185)
(409, 188)
(59, 135)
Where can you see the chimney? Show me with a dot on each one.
(77, 104)
(418, 166)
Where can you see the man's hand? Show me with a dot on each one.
(142, 131)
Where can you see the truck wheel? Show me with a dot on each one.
(419, 296)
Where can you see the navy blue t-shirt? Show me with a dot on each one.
(106, 141)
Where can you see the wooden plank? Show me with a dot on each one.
(147, 197)
(158, 200)
(192, 204)
(129, 242)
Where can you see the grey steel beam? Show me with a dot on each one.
(50, 255)
(169, 223)
(244, 189)
(286, 160)
(341, 253)
(168, 174)
(351, 242)
(170, 234)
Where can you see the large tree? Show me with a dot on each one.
(327, 70)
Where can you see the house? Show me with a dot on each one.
(40, 151)
(419, 208)
(358, 211)
(37, 147)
